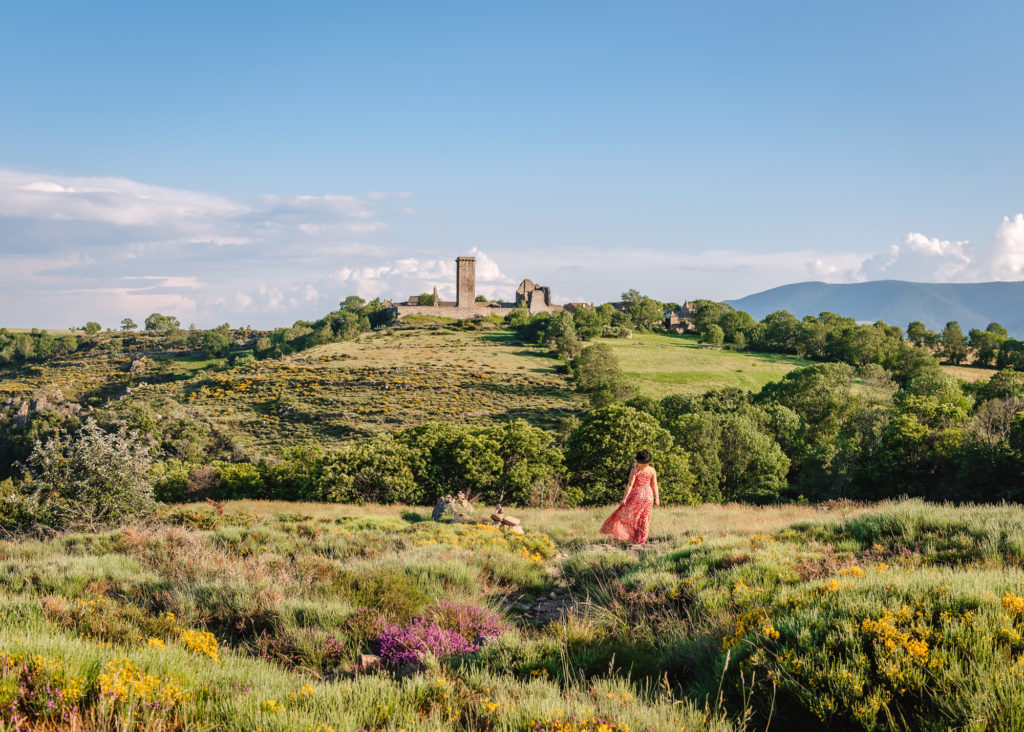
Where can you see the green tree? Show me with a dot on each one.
(713, 335)
(162, 323)
(936, 384)
(588, 323)
(734, 324)
(450, 458)
(781, 329)
(648, 405)
(600, 452)
(1004, 384)
(823, 397)
(595, 364)
(998, 330)
(916, 331)
(596, 372)
(954, 343)
(426, 298)
(378, 470)
(1011, 355)
(481, 298)
(528, 459)
(605, 313)
(643, 313)
(733, 459)
(92, 327)
(67, 344)
(985, 345)
(128, 325)
(24, 346)
(218, 341)
(707, 312)
(354, 304)
(46, 344)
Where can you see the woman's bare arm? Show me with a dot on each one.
(654, 485)
(629, 486)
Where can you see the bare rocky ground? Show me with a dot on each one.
(548, 608)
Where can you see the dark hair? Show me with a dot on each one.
(643, 457)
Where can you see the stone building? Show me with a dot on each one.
(681, 320)
(465, 282)
(536, 298)
(533, 296)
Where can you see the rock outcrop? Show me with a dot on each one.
(457, 509)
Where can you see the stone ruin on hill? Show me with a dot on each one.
(535, 298)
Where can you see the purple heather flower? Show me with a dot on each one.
(472, 622)
(410, 643)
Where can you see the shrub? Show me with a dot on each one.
(597, 373)
(411, 643)
(95, 480)
(616, 331)
(379, 470)
(470, 621)
(240, 480)
(713, 335)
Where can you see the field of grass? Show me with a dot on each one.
(896, 616)
(970, 373)
(662, 364)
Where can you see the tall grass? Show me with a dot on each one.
(897, 616)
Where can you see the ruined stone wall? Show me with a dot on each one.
(456, 312)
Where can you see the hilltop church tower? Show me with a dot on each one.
(465, 284)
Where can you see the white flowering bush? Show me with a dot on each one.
(92, 480)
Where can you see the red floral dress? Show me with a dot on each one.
(632, 520)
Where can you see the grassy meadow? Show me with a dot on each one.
(262, 615)
(661, 364)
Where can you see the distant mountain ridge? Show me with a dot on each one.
(973, 305)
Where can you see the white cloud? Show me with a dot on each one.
(84, 234)
(191, 283)
(923, 258)
(93, 248)
(117, 201)
(1005, 259)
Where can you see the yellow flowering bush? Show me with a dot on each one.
(200, 642)
(121, 681)
(478, 537)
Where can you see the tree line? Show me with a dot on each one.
(825, 431)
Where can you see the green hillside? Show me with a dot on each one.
(382, 381)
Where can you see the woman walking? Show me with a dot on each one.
(632, 519)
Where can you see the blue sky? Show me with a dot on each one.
(254, 162)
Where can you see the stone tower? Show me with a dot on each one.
(465, 285)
